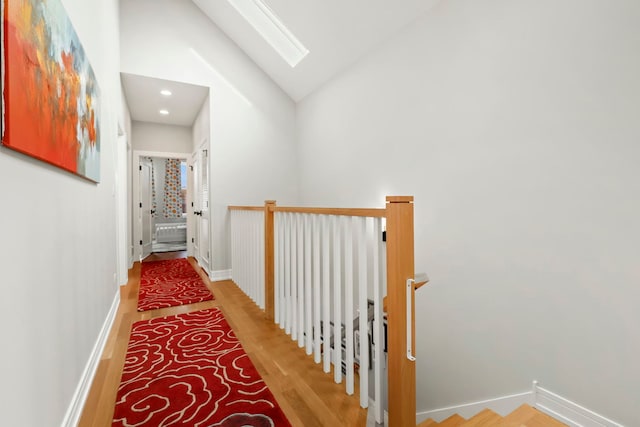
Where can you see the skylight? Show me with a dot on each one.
(271, 28)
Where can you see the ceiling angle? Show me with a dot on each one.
(271, 28)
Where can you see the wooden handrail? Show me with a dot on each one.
(367, 212)
(245, 208)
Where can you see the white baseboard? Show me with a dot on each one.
(567, 411)
(501, 405)
(218, 275)
(542, 399)
(74, 410)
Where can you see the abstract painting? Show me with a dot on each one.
(50, 95)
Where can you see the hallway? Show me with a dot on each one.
(307, 396)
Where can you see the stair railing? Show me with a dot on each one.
(248, 251)
(326, 272)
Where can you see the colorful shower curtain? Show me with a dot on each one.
(172, 190)
(154, 204)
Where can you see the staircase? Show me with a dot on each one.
(524, 416)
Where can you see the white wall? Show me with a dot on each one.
(58, 255)
(252, 120)
(515, 125)
(126, 120)
(201, 129)
(123, 192)
(161, 138)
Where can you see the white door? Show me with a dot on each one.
(195, 168)
(145, 208)
(204, 210)
(201, 208)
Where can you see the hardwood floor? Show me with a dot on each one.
(523, 416)
(308, 396)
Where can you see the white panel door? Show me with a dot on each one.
(145, 208)
(195, 168)
(204, 214)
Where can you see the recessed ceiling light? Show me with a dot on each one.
(164, 112)
(271, 28)
(165, 92)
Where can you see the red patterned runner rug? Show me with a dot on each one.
(169, 283)
(190, 370)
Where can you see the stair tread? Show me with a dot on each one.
(526, 416)
(454, 420)
(485, 418)
(523, 416)
(429, 422)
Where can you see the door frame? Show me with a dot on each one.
(137, 229)
(206, 264)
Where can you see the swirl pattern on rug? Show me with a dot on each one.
(169, 283)
(190, 370)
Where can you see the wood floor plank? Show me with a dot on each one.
(308, 396)
(454, 420)
(485, 418)
(527, 416)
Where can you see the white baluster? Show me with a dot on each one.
(308, 309)
(247, 255)
(255, 251)
(251, 263)
(349, 317)
(261, 258)
(276, 270)
(378, 327)
(245, 248)
(326, 282)
(241, 238)
(364, 312)
(316, 289)
(337, 302)
(294, 276)
(301, 296)
(233, 243)
(281, 267)
(287, 275)
(259, 272)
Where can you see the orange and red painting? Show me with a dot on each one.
(50, 93)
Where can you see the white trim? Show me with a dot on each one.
(567, 411)
(218, 275)
(502, 405)
(74, 410)
(135, 176)
(546, 401)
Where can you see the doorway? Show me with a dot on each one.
(199, 177)
(163, 194)
(168, 204)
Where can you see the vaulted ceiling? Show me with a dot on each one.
(336, 32)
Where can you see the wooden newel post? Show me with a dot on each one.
(269, 258)
(400, 267)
